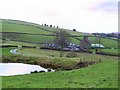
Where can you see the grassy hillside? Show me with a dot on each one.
(34, 33)
(27, 27)
(30, 32)
(23, 28)
(27, 32)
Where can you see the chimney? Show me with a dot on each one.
(85, 37)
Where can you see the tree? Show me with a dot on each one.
(97, 41)
(44, 24)
(62, 38)
(50, 25)
(74, 30)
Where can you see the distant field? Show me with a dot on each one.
(8, 27)
(29, 38)
(30, 28)
(111, 51)
(27, 27)
(19, 43)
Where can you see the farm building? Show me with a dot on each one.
(85, 44)
(72, 47)
(57, 47)
(51, 46)
(97, 46)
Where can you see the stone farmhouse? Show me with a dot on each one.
(85, 44)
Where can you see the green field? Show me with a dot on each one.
(111, 51)
(24, 28)
(6, 51)
(27, 32)
(102, 74)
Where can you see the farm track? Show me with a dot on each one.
(14, 51)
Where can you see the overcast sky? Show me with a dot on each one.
(83, 15)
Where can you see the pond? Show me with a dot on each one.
(11, 69)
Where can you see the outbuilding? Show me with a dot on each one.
(97, 46)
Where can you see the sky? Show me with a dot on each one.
(83, 15)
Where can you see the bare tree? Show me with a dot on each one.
(97, 41)
(62, 38)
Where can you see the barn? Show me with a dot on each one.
(85, 44)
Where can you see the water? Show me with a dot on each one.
(11, 69)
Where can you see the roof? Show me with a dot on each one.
(85, 39)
